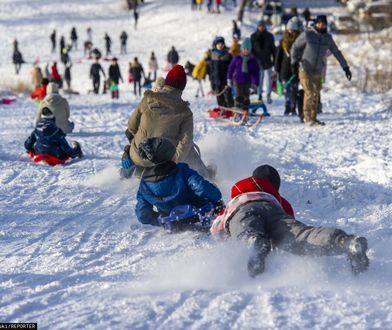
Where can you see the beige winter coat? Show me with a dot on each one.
(37, 77)
(59, 106)
(162, 114)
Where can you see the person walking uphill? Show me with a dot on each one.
(260, 217)
(137, 72)
(166, 184)
(263, 48)
(307, 59)
(115, 75)
(165, 114)
(244, 73)
(95, 75)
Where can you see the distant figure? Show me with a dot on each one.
(40, 91)
(236, 31)
(114, 78)
(136, 69)
(306, 14)
(67, 76)
(55, 76)
(152, 67)
(17, 58)
(89, 34)
(123, 39)
(62, 44)
(74, 38)
(136, 17)
(95, 75)
(199, 73)
(53, 40)
(65, 56)
(37, 77)
(172, 58)
(108, 44)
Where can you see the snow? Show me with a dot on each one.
(73, 255)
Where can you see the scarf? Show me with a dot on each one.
(244, 66)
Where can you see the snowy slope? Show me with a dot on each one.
(73, 255)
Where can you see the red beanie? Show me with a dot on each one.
(176, 77)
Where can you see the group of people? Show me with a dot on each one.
(213, 6)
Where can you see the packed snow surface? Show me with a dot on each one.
(73, 255)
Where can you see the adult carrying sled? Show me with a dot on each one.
(186, 216)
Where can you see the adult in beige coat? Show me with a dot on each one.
(36, 78)
(165, 114)
(59, 106)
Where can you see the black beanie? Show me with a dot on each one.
(269, 173)
(157, 150)
(321, 18)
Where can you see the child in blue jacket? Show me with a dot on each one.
(48, 139)
(168, 184)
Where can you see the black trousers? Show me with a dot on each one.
(137, 87)
(96, 84)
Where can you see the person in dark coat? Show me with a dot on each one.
(48, 139)
(74, 38)
(95, 75)
(219, 66)
(53, 40)
(283, 65)
(65, 59)
(263, 48)
(108, 44)
(166, 184)
(136, 17)
(17, 59)
(137, 72)
(172, 57)
(67, 75)
(260, 217)
(244, 74)
(114, 78)
(123, 40)
(62, 45)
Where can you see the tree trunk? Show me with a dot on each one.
(241, 10)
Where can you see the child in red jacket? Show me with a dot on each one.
(258, 215)
(40, 92)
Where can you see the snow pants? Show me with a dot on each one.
(268, 225)
(311, 84)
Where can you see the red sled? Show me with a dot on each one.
(235, 116)
(7, 100)
(49, 159)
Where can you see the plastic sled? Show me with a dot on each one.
(49, 159)
(236, 117)
(7, 100)
(182, 216)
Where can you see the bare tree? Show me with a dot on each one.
(241, 10)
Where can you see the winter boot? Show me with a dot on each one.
(261, 248)
(269, 99)
(77, 149)
(357, 247)
(287, 110)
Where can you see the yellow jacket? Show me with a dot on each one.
(235, 49)
(200, 70)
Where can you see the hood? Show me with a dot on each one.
(164, 190)
(252, 184)
(47, 127)
(52, 101)
(167, 100)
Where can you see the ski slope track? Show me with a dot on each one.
(73, 255)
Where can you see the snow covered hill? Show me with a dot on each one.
(73, 255)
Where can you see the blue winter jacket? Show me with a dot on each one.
(47, 138)
(184, 187)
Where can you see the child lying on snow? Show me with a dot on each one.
(258, 215)
(167, 184)
(48, 139)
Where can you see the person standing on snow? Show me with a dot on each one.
(40, 92)
(53, 41)
(62, 45)
(17, 57)
(172, 57)
(260, 217)
(59, 106)
(123, 41)
(55, 76)
(115, 77)
(137, 72)
(165, 184)
(37, 76)
(199, 72)
(283, 65)
(152, 67)
(165, 114)
(108, 44)
(263, 48)
(220, 59)
(74, 38)
(307, 61)
(244, 74)
(95, 75)
(67, 76)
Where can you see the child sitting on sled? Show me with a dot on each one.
(167, 184)
(260, 217)
(47, 142)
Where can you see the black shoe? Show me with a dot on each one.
(357, 248)
(316, 122)
(77, 149)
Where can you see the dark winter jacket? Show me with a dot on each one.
(220, 61)
(310, 49)
(283, 59)
(114, 73)
(137, 71)
(74, 35)
(95, 70)
(48, 139)
(185, 186)
(263, 48)
(236, 75)
(173, 57)
(67, 73)
(123, 38)
(17, 57)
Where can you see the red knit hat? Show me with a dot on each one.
(176, 77)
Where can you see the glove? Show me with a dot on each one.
(295, 68)
(348, 72)
(129, 135)
(219, 206)
(127, 165)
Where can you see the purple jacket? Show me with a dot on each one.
(236, 75)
